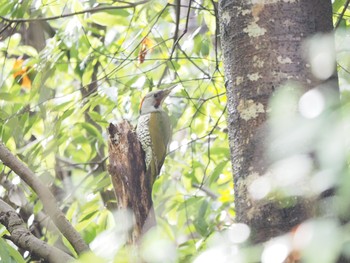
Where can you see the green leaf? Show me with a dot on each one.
(45, 94)
(338, 4)
(3, 115)
(77, 6)
(13, 43)
(6, 96)
(92, 130)
(17, 257)
(100, 182)
(211, 23)
(88, 216)
(221, 151)
(173, 65)
(95, 116)
(8, 254)
(204, 48)
(4, 253)
(111, 18)
(6, 7)
(47, 127)
(200, 222)
(90, 258)
(67, 113)
(28, 50)
(90, 232)
(217, 171)
(72, 210)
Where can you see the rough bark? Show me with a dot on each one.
(262, 49)
(21, 236)
(131, 185)
(46, 197)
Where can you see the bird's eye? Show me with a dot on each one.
(155, 95)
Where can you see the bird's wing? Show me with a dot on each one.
(160, 136)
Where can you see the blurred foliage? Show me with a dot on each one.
(57, 101)
(54, 118)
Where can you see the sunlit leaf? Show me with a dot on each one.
(217, 171)
(111, 18)
(4, 253)
(89, 73)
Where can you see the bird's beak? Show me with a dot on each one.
(167, 91)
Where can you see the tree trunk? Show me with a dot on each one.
(132, 187)
(262, 49)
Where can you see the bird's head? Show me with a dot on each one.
(153, 101)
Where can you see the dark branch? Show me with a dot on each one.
(46, 197)
(21, 236)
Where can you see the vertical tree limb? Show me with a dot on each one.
(262, 49)
(131, 185)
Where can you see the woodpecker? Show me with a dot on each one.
(154, 131)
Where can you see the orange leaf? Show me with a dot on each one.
(17, 68)
(146, 45)
(26, 82)
(22, 73)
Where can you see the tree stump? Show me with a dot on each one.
(128, 172)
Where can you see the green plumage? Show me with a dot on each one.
(154, 131)
(160, 133)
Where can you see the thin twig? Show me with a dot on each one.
(5, 27)
(132, 51)
(193, 63)
(184, 32)
(206, 190)
(210, 133)
(91, 10)
(202, 137)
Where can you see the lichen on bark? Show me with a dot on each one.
(262, 44)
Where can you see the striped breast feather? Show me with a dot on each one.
(142, 131)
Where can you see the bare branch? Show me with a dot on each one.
(46, 198)
(21, 236)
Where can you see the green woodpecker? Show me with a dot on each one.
(154, 131)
